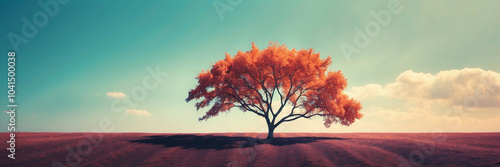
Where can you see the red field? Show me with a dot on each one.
(234, 149)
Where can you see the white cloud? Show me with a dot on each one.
(115, 94)
(465, 100)
(138, 112)
(468, 87)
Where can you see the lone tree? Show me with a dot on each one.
(252, 80)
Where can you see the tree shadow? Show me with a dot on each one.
(205, 142)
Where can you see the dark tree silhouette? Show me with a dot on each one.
(252, 80)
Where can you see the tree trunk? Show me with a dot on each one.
(270, 132)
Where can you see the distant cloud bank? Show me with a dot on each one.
(465, 100)
(468, 87)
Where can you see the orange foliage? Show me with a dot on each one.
(251, 80)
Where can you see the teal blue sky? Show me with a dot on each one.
(89, 49)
